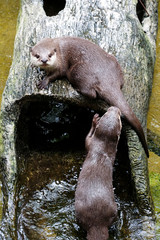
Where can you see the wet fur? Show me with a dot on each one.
(91, 71)
(95, 206)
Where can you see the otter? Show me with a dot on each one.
(95, 206)
(90, 70)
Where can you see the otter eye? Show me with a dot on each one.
(37, 56)
(50, 55)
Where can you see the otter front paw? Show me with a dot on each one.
(95, 120)
(43, 84)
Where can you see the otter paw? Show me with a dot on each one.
(95, 120)
(42, 85)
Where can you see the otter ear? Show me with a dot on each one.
(55, 50)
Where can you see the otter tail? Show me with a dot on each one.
(98, 233)
(135, 123)
(119, 101)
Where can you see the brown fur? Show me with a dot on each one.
(95, 206)
(91, 71)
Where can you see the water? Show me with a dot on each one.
(45, 208)
(46, 201)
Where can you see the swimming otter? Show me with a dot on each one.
(95, 206)
(91, 71)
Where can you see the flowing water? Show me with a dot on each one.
(47, 182)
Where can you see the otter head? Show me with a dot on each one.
(109, 125)
(43, 55)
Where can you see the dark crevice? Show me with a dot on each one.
(45, 125)
(53, 7)
(140, 10)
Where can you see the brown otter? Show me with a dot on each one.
(91, 71)
(95, 206)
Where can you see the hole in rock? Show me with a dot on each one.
(53, 7)
(46, 132)
(140, 10)
(48, 125)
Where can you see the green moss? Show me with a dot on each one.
(155, 189)
(8, 21)
(154, 174)
(1, 146)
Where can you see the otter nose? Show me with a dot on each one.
(44, 60)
